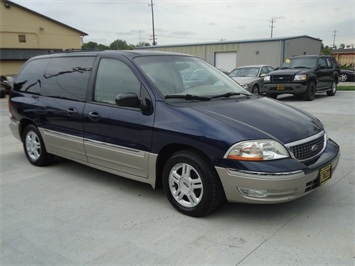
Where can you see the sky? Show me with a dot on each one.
(196, 21)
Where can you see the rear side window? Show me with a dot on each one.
(30, 78)
(67, 77)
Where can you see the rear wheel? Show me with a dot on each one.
(34, 147)
(191, 184)
(333, 89)
(310, 92)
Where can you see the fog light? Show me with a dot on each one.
(253, 193)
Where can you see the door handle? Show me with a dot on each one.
(72, 111)
(94, 116)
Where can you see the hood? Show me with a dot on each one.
(262, 118)
(243, 80)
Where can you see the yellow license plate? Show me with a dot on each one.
(325, 174)
(280, 87)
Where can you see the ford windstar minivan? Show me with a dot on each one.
(170, 119)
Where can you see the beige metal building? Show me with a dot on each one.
(345, 57)
(228, 55)
(25, 33)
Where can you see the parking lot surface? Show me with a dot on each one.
(70, 214)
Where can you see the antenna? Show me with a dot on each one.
(272, 21)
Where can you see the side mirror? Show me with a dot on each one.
(127, 100)
(262, 75)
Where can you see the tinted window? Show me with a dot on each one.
(30, 79)
(114, 77)
(67, 77)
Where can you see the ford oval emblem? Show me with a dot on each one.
(314, 147)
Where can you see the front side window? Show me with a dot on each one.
(114, 77)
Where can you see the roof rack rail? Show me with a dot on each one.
(80, 50)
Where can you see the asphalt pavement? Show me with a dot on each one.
(70, 214)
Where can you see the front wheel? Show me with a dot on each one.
(343, 77)
(333, 89)
(34, 147)
(191, 184)
(255, 90)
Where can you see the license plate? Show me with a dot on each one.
(325, 174)
(280, 87)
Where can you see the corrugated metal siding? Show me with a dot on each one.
(257, 53)
(302, 46)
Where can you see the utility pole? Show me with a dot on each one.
(151, 5)
(334, 34)
(272, 21)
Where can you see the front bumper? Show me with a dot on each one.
(261, 187)
(293, 88)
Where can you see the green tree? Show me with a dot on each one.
(120, 45)
(342, 46)
(142, 44)
(326, 50)
(94, 46)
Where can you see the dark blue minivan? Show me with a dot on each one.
(170, 119)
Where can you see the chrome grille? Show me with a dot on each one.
(308, 148)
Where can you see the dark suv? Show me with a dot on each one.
(304, 76)
(140, 115)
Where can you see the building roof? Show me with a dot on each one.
(344, 51)
(232, 42)
(8, 4)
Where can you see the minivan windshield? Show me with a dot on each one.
(299, 62)
(187, 78)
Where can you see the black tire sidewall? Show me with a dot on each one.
(212, 189)
(44, 158)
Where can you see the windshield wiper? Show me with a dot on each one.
(301, 67)
(187, 97)
(229, 94)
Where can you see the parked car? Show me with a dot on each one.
(304, 76)
(131, 113)
(2, 91)
(347, 75)
(251, 77)
(7, 82)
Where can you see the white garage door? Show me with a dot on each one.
(226, 60)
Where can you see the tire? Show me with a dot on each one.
(34, 147)
(343, 77)
(310, 92)
(191, 184)
(333, 89)
(255, 90)
(272, 95)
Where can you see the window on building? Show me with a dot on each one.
(22, 38)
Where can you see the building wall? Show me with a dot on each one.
(269, 51)
(10, 67)
(40, 33)
(256, 53)
(302, 46)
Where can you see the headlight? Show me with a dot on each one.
(300, 78)
(246, 85)
(257, 150)
(267, 79)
